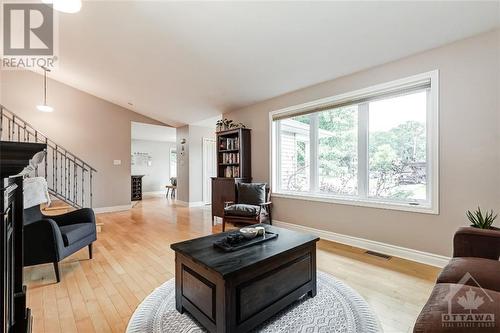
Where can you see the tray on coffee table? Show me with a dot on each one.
(227, 247)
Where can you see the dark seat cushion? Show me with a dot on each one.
(485, 271)
(74, 232)
(242, 210)
(448, 299)
(252, 193)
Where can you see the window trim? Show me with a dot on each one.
(432, 133)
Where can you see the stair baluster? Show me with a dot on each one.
(61, 167)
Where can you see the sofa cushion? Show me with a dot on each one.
(444, 311)
(242, 210)
(485, 271)
(252, 193)
(74, 232)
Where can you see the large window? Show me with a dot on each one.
(373, 147)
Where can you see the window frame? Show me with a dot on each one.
(172, 149)
(432, 141)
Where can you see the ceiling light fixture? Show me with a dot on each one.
(44, 107)
(65, 6)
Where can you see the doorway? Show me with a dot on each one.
(152, 159)
(209, 168)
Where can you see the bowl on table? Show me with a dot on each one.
(249, 233)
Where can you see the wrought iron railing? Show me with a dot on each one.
(69, 178)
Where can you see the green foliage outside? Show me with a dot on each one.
(396, 157)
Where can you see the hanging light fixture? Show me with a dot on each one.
(44, 107)
(65, 6)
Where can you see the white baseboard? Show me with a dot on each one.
(392, 250)
(190, 204)
(110, 209)
(154, 194)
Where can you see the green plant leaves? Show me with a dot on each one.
(479, 220)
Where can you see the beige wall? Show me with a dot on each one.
(190, 167)
(95, 130)
(469, 147)
(183, 164)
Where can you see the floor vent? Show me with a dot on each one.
(379, 255)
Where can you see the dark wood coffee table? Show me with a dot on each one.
(236, 291)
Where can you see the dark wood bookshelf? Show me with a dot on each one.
(234, 154)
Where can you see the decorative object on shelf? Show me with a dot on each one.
(238, 125)
(223, 124)
(481, 221)
(227, 124)
(33, 163)
(44, 107)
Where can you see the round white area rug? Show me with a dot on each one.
(336, 308)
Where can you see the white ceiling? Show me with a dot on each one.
(181, 62)
(141, 131)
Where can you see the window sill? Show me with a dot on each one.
(358, 202)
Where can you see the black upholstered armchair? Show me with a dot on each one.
(50, 239)
(252, 206)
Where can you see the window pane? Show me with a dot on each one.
(397, 147)
(338, 150)
(173, 163)
(294, 153)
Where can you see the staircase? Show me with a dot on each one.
(69, 178)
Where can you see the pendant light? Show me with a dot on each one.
(65, 6)
(44, 107)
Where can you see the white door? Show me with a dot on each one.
(209, 168)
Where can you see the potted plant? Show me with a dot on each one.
(238, 125)
(218, 125)
(227, 123)
(480, 220)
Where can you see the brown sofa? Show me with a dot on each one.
(466, 297)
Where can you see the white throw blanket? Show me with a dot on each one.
(36, 192)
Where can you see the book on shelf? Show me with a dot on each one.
(231, 172)
(229, 143)
(230, 158)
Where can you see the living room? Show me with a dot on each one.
(304, 166)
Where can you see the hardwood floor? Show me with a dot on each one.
(132, 257)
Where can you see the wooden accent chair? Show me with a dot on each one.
(253, 205)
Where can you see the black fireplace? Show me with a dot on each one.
(8, 207)
(14, 156)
